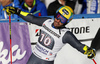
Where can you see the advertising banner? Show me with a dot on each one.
(84, 29)
(21, 47)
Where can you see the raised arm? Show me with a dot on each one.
(74, 42)
(26, 16)
(33, 19)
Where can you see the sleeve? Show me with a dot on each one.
(71, 3)
(80, 1)
(16, 3)
(43, 10)
(74, 42)
(50, 9)
(96, 41)
(33, 19)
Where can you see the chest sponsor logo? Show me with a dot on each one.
(52, 32)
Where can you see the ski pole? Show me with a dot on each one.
(94, 61)
(10, 38)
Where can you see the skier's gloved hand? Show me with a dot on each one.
(12, 10)
(90, 53)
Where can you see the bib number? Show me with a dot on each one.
(46, 40)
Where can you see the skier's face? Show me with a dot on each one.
(57, 23)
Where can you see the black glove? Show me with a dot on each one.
(90, 53)
(12, 10)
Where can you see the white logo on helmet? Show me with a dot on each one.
(65, 12)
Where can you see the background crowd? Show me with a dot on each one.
(39, 8)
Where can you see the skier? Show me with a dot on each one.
(53, 35)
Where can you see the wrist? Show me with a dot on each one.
(85, 48)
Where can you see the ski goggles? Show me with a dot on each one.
(61, 18)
